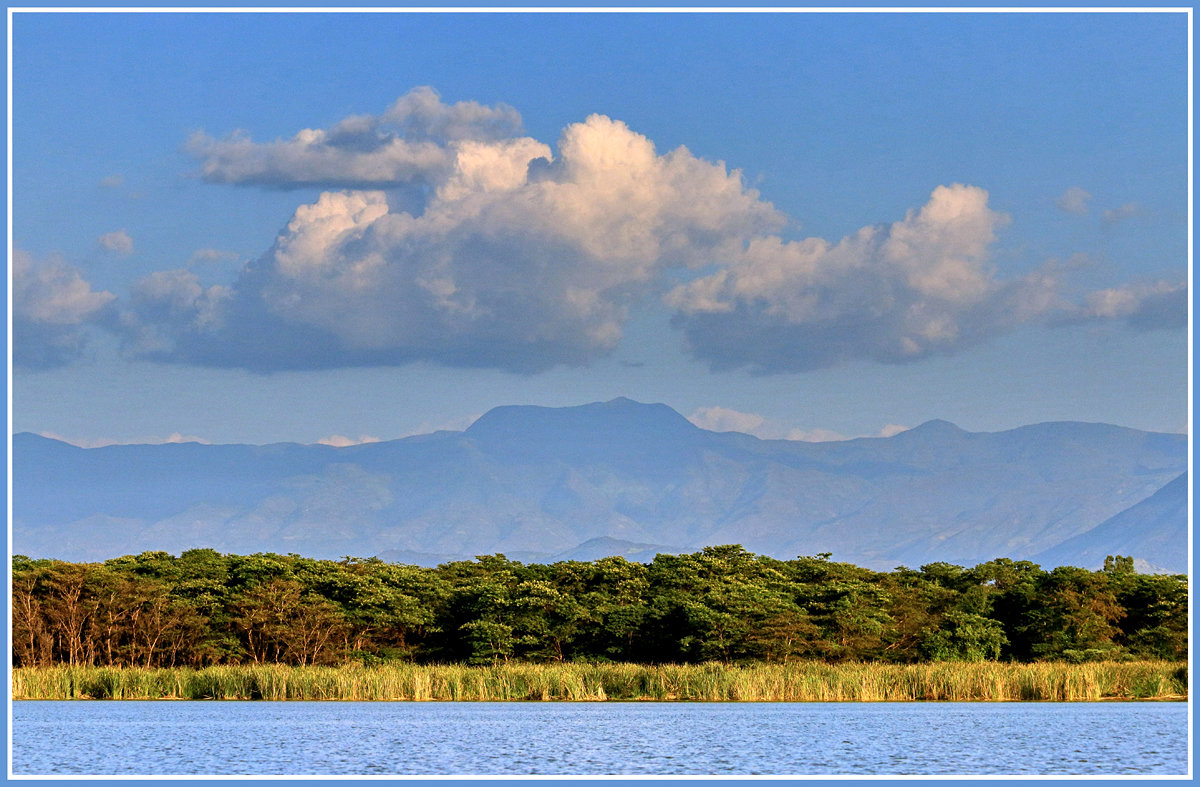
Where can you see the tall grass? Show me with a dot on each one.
(796, 682)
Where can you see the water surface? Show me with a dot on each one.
(346, 738)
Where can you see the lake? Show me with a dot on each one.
(383, 738)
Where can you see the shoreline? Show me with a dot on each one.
(1158, 681)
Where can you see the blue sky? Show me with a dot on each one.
(874, 220)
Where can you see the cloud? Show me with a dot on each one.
(165, 303)
(456, 424)
(1116, 215)
(820, 435)
(817, 435)
(444, 235)
(1144, 306)
(893, 294)
(1074, 200)
(339, 441)
(723, 419)
(520, 260)
(100, 442)
(416, 141)
(112, 182)
(52, 308)
(117, 242)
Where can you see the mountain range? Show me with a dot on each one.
(621, 477)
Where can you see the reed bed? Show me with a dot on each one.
(793, 682)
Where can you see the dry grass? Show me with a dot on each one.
(795, 682)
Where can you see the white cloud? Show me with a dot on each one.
(1116, 215)
(340, 441)
(455, 240)
(166, 304)
(1141, 305)
(456, 424)
(117, 242)
(100, 442)
(413, 142)
(815, 435)
(53, 292)
(518, 261)
(820, 435)
(52, 307)
(176, 437)
(722, 419)
(1074, 200)
(894, 294)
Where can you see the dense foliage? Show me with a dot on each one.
(720, 604)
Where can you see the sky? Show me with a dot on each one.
(258, 228)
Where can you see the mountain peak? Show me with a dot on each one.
(937, 426)
(547, 480)
(615, 419)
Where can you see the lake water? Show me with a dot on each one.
(346, 738)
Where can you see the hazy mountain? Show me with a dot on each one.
(1154, 531)
(616, 477)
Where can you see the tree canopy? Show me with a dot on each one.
(722, 603)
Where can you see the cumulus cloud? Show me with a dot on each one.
(117, 242)
(522, 256)
(415, 141)
(1145, 306)
(1074, 200)
(52, 308)
(521, 260)
(893, 294)
(166, 303)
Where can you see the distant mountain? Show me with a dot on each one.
(1153, 531)
(592, 549)
(616, 477)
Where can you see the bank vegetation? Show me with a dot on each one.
(801, 681)
(763, 621)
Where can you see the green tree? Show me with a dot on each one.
(614, 590)
(1011, 591)
(1155, 624)
(1075, 615)
(964, 636)
(282, 622)
(545, 620)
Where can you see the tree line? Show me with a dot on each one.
(720, 604)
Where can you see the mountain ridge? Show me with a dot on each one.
(542, 482)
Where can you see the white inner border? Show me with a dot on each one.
(595, 10)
